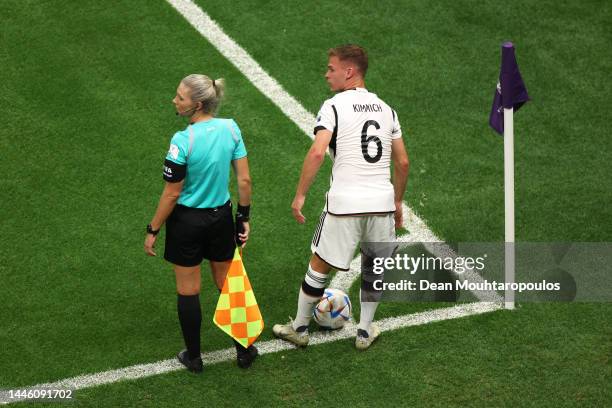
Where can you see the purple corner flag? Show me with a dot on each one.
(510, 92)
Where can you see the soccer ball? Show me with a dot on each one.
(333, 310)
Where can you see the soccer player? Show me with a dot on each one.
(362, 205)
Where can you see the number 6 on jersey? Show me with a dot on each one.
(366, 140)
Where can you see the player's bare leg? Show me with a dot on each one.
(311, 291)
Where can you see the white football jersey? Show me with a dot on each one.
(363, 127)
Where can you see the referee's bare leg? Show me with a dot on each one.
(187, 280)
(219, 271)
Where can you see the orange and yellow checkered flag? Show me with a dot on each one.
(237, 312)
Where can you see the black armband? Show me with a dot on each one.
(174, 172)
(243, 213)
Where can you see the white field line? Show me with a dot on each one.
(419, 232)
(266, 347)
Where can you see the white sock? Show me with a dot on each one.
(366, 317)
(306, 303)
(305, 307)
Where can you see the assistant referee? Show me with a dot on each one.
(196, 206)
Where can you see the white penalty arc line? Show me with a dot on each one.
(266, 347)
(418, 232)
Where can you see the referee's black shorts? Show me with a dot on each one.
(193, 234)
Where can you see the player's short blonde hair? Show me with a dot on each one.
(353, 53)
(205, 90)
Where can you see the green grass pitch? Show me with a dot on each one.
(87, 117)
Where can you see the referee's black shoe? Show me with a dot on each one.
(246, 356)
(195, 365)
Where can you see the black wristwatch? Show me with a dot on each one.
(151, 231)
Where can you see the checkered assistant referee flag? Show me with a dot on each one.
(237, 312)
(510, 92)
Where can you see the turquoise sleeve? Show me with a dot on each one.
(179, 147)
(240, 149)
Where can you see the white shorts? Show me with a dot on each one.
(336, 237)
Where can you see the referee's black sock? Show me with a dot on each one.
(190, 317)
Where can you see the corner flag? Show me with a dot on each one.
(237, 312)
(510, 95)
(511, 92)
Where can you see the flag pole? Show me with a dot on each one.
(509, 96)
(509, 205)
